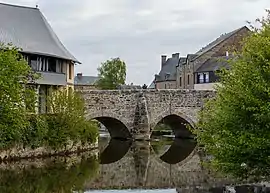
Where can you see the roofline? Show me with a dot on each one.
(20, 6)
(237, 30)
(75, 84)
(165, 80)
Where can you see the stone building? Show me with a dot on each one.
(28, 29)
(198, 71)
(167, 75)
(82, 82)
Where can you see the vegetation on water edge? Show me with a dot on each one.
(234, 127)
(65, 122)
(56, 176)
(21, 126)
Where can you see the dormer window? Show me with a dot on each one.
(203, 77)
(167, 76)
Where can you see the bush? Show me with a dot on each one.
(67, 121)
(15, 73)
(234, 127)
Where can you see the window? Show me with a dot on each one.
(188, 79)
(167, 76)
(206, 77)
(203, 77)
(33, 62)
(70, 71)
(180, 81)
(52, 65)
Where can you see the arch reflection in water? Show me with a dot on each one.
(116, 128)
(115, 151)
(184, 142)
(179, 151)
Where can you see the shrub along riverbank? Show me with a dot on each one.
(64, 130)
(22, 130)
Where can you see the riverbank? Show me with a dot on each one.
(19, 153)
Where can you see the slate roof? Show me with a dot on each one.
(214, 63)
(129, 87)
(152, 85)
(214, 43)
(168, 69)
(85, 80)
(27, 28)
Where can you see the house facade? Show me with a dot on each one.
(27, 29)
(198, 71)
(193, 73)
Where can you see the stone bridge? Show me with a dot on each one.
(135, 113)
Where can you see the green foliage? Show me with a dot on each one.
(14, 95)
(67, 120)
(54, 177)
(234, 127)
(112, 73)
(162, 127)
(18, 123)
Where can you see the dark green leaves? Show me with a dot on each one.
(235, 126)
(112, 73)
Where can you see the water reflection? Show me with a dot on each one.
(145, 164)
(115, 151)
(50, 175)
(163, 164)
(178, 151)
(259, 188)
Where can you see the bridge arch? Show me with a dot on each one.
(184, 144)
(185, 115)
(114, 125)
(178, 122)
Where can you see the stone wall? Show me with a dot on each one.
(20, 152)
(140, 110)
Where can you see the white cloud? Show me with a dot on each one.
(140, 31)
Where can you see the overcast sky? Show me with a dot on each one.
(139, 31)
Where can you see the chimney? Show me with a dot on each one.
(79, 75)
(163, 60)
(175, 55)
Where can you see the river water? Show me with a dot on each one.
(118, 166)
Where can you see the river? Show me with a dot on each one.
(119, 166)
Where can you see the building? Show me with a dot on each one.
(28, 29)
(166, 79)
(198, 71)
(206, 76)
(85, 82)
(129, 87)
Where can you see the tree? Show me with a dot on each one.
(112, 73)
(15, 96)
(234, 127)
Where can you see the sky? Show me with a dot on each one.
(140, 31)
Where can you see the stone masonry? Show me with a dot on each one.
(135, 113)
